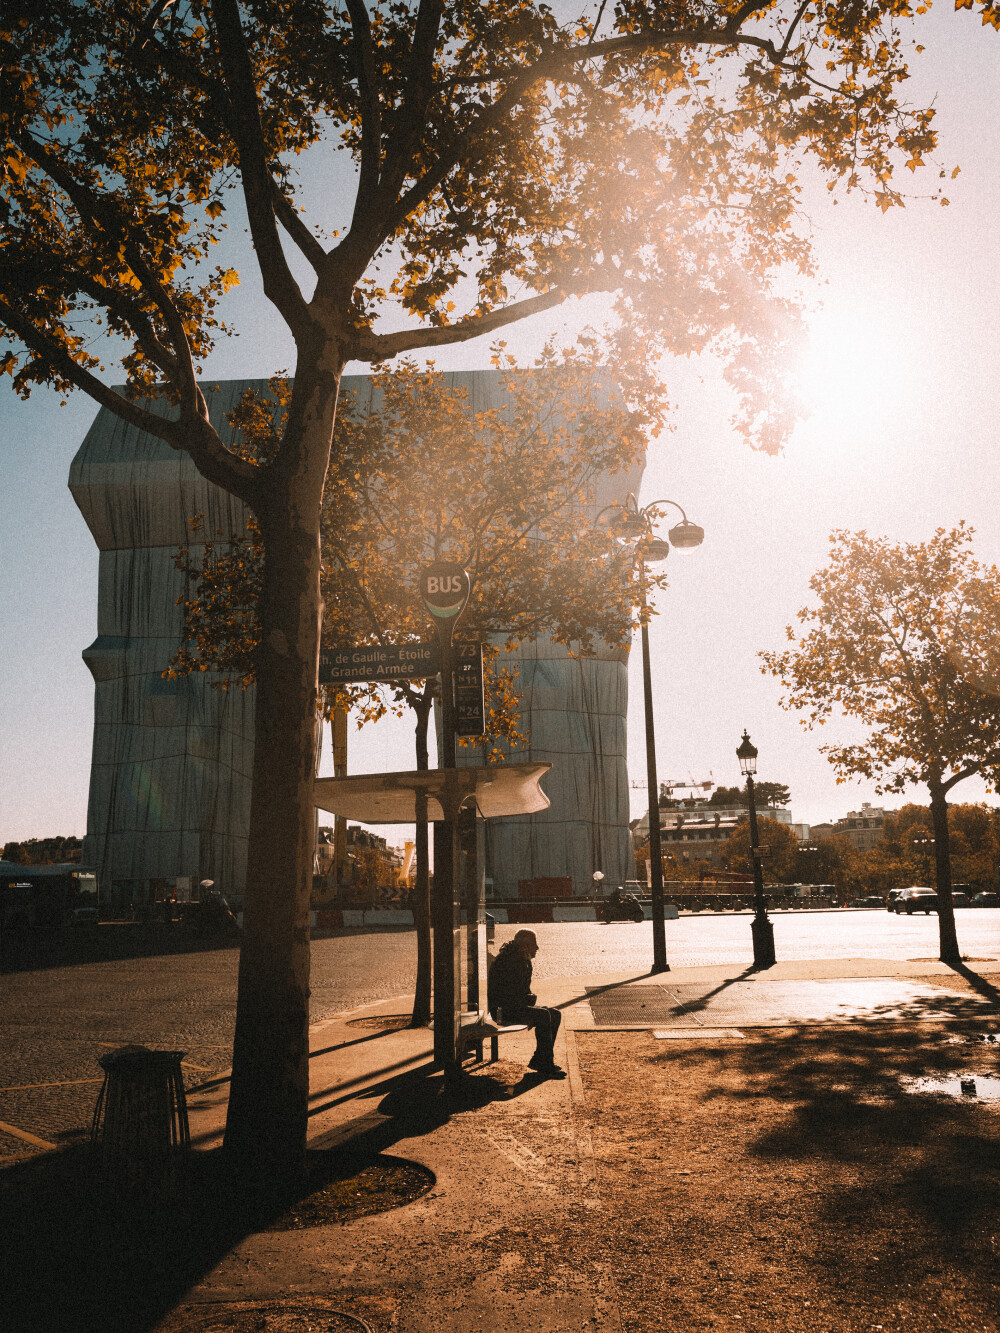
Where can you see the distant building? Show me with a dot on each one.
(862, 828)
(697, 831)
(44, 851)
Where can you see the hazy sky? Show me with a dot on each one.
(903, 375)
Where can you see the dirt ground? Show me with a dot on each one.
(788, 1182)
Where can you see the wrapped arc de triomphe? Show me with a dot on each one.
(170, 777)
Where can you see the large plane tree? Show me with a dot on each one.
(507, 156)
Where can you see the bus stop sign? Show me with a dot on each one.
(445, 589)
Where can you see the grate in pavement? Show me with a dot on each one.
(654, 1005)
(774, 1003)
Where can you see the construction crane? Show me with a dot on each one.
(670, 787)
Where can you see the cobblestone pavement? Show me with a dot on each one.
(59, 1020)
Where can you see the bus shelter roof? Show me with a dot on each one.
(390, 798)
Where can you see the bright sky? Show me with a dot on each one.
(903, 376)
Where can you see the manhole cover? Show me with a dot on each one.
(294, 1316)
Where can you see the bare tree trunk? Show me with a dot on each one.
(942, 859)
(422, 889)
(269, 1090)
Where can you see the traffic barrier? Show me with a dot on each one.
(574, 912)
(529, 913)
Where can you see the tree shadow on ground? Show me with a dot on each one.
(979, 984)
(902, 1186)
(78, 1257)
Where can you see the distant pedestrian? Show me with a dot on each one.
(511, 1000)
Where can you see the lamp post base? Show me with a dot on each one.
(762, 933)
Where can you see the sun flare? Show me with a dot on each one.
(856, 371)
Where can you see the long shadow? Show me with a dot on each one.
(416, 1103)
(600, 990)
(978, 983)
(77, 1258)
(685, 1007)
(702, 1002)
(888, 1182)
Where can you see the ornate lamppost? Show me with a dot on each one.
(634, 527)
(761, 929)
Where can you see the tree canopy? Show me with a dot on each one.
(503, 162)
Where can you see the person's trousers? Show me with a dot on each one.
(545, 1023)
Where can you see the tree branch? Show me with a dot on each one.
(132, 313)
(297, 230)
(258, 183)
(384, 346)
(411, 115)
(191, 434)
(102, 212)
(217, 95)
(371, 114)
(967, 772)
(555, 65)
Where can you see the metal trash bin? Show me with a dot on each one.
(140, 1131)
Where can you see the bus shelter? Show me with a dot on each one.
(462, 797)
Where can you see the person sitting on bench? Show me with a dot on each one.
(511, 1001)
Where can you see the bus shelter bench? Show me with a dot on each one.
(474, 1036)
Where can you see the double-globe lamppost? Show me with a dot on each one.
(761, 929)
(634, 527)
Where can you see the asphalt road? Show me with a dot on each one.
(58, 1021)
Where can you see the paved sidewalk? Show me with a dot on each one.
(521, 1164)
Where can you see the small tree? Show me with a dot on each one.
(773, 794)
(825, 861)
(891, 637)
(778, 860)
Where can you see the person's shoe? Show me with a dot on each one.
(551, 1071)
(537, 1063)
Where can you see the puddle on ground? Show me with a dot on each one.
(970, 1087)
(974, 1039)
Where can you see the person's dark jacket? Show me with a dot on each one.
(508, 987)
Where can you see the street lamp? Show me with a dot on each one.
(925, 845)
(761, 928)
(634, 527)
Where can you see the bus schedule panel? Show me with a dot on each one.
(470, 704)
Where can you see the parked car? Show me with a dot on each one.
(916, 899)
(871, 900)
(891, 898)
(986, 900)
(959, 898)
